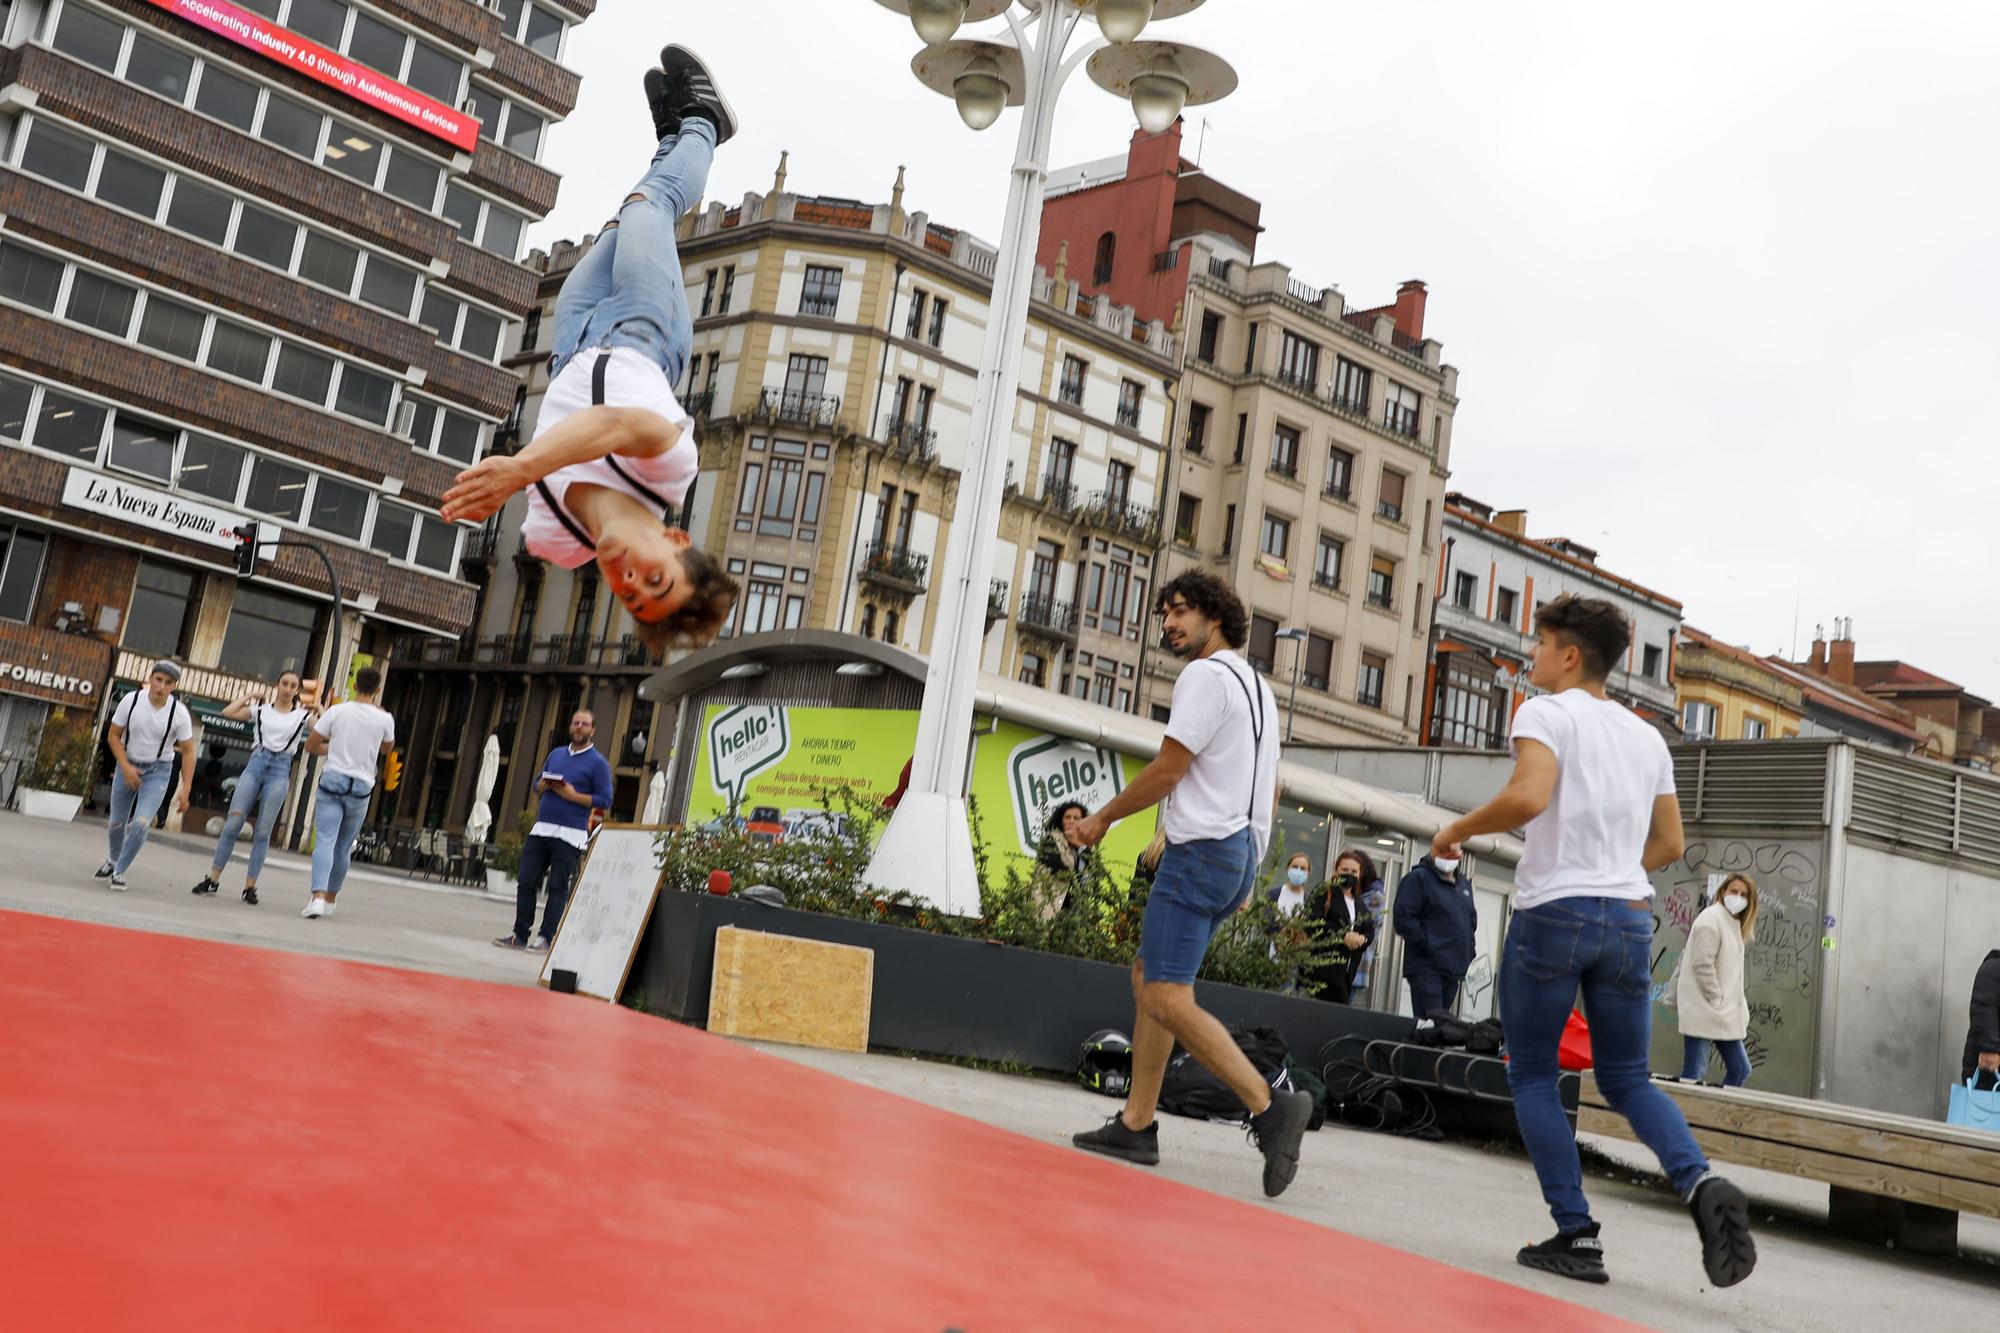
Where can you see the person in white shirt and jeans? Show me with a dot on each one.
(352, 737)
(147, 727)
(1594, 785)
(1218, 771)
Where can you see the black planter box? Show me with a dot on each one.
(936, 995)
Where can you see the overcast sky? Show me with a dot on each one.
(1719, 278)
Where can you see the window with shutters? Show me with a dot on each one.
(1318, 673)
(1382, 582)
(1390, 503)
(1262, 650)
(1374, 671)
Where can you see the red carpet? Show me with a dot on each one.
(206, 1136)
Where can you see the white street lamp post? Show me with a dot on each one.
(927, 847)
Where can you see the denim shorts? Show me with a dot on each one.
(1199, 886)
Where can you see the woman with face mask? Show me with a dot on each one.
(1347, 924)
(1709, 993)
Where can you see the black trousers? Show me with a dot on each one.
(549, 859)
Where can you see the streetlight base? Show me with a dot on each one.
(927, 852)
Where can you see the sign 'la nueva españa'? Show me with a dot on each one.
(455, 127)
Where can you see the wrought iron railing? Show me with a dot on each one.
(887, 562)
(1117, 514)
(1048, 616)
(798, 409)
(909, 437)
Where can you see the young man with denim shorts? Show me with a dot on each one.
(1218, 773)
(1594, 785)
(614, 453)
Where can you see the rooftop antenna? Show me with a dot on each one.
(1201, 144)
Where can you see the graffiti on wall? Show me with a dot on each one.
(1781, 964)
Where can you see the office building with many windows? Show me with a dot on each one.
(259, 263)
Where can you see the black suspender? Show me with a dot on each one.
(291, 746)
(1256, 732)
(668, 513)
(167, 736)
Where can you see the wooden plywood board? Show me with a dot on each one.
(1845, 1131)
(781, 988)
(1829, 1168)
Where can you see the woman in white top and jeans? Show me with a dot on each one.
(1709, 993)
(279, 730)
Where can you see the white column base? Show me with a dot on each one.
(927, 852)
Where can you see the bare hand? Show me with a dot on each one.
(131, 776)
(1090, 832)
(1355, 940)
(1990, 1061)
(483, 488)
(181, 800)
(1446, 846)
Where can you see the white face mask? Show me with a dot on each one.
(1296, 876)
(1445, 867)
(1735, 902)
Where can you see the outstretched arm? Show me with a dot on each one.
(1151, 787)
(582, 437)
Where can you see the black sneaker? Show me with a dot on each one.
(1722, 1216)
(1115, 1140)
(660, 98)
(208, 884)
(250, 895)
(104, 871)
(1278, 1133)
(1572, 1254)
(510, 942)
(684, 67)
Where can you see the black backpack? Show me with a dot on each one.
(1190, 1090)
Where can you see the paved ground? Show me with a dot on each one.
(1464, 1205)
(382, 918)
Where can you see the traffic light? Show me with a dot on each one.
(309, 694)
(246, 550)
(392, 772)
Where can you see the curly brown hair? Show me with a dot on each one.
(711, 597)
(1214, 599)
(1594, 627)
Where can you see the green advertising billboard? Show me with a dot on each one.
(770, 764)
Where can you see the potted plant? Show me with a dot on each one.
(55, 782)
(503, 859)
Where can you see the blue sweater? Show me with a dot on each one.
(587, 772)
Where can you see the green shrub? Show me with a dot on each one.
(65, 756)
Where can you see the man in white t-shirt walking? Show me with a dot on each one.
(1218, 772)
(1594, 785)
(148, 727)
(353, 737)
(614, 451)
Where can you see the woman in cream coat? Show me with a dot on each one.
(1709, 996)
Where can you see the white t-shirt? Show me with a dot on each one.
(1290, 900)
(1234, 777)
(147, 728)
(355, 734)
(279, 732)
(1611, 767)
(630, 381)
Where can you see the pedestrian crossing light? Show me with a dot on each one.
(246, 550)
(392, 774)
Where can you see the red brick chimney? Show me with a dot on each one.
(1840, 656)
(1817, 662)
(1512, 520)
(1409, 311)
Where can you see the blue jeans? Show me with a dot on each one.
(1735, 1060)
(1604, 947)
(628, 292)
(549, 859)
(260, 794)
(1199, 885)
(343, 800)
(132, 811)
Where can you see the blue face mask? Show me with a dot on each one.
(1296, 876)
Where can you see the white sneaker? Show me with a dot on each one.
(330, 904)
(314, 909)
(539, 944)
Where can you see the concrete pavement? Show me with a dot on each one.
(382, 919)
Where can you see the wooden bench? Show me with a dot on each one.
(1888, 1176)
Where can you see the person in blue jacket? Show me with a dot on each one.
(1437, 919)
(575, 780)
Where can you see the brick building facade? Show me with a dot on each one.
(260, 260)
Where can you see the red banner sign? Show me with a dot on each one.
(455, 127)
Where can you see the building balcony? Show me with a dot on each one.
(996, 601)
(1117, 516)
(1281, 468)
(700, 405)
(579, 651)
(1059, 494)
(818, 411)
(1392, 512)
(895, 569)
(1313, 682)
(481, 544)
(1128, 417)
(909, 439)
(1326, 582)
(1048, 618)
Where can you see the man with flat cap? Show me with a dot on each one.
(147, 727)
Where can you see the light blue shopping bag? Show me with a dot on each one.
(1974, 1108)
